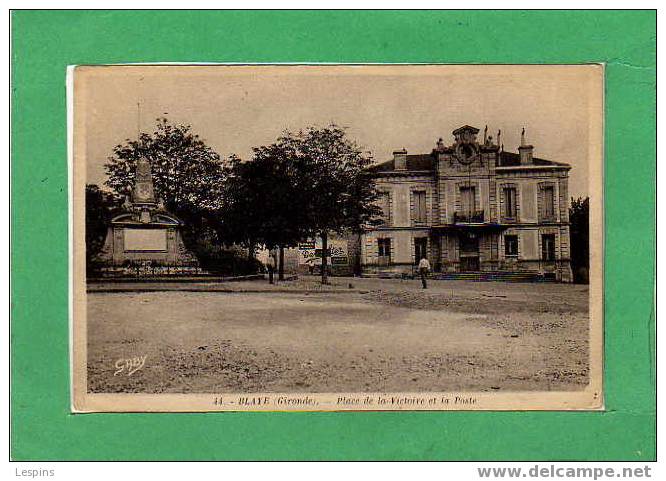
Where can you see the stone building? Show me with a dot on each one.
(471, 207)
(145, 233)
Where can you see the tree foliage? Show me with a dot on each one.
(579, 218)
(306, 184)
(101, 206)
(341, 193)
(187, 173)
(262, 197)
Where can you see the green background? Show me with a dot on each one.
(45, 42)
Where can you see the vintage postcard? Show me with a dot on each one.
(336, 237)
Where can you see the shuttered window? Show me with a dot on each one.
(420, 214)
(385, 205)
(548, 247)
(511, 245)
(384, 251)
(467, 200)
(510, 202)
(548, 202)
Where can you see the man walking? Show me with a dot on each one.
(424, 268)
(270, 267)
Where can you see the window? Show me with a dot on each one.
(385, 206)
(548, 202)
(384, 249)
(511, 245)
(420, 248)
(510, 202)
(420, 207)
(548, 247)
(467, 200)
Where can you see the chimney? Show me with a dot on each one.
(525, 150)
(400, 159)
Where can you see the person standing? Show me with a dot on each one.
(270, 267)
(424, 268)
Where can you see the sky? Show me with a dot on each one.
(384, 108)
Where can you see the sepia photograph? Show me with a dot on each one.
(336, 237)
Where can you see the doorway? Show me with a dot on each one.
(420, 249)
(469, 252)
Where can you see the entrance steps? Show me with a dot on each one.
(504, 276)
(477, 276)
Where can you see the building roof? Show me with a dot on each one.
(426, 162)
(414, 162)
(511, 159)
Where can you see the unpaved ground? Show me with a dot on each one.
(356, 335)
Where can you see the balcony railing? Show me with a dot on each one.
(475, 216)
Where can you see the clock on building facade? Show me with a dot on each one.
(466, 148)
(466, 152)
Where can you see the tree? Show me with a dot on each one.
(337, 190)
(187, 174)
(100, 208)
(306, 184)
(579, 218)
(263, 196)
